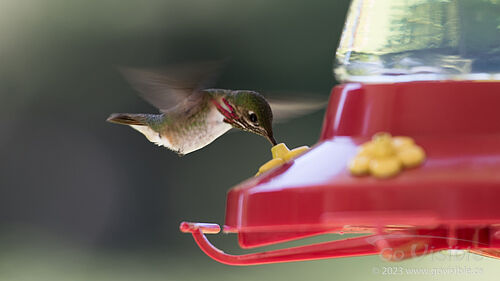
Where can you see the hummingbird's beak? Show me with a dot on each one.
(271, 139)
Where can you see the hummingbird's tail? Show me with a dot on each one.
(144, 123)
(129, 119)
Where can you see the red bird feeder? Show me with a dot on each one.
(448, 202)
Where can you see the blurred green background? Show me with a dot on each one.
(82, 199)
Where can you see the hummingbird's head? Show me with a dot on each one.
(253, 114)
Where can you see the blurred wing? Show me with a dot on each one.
(165, 88)
(284, 110)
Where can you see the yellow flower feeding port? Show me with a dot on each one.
(386, 156)
(281, 155)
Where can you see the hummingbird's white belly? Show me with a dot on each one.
(152, 135)
(202, 134)
(187, 136)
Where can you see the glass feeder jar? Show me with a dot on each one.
(412, 40)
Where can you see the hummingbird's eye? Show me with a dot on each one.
(253, 117)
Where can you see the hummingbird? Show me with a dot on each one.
(192, 116)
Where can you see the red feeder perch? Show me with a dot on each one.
(449, 202)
